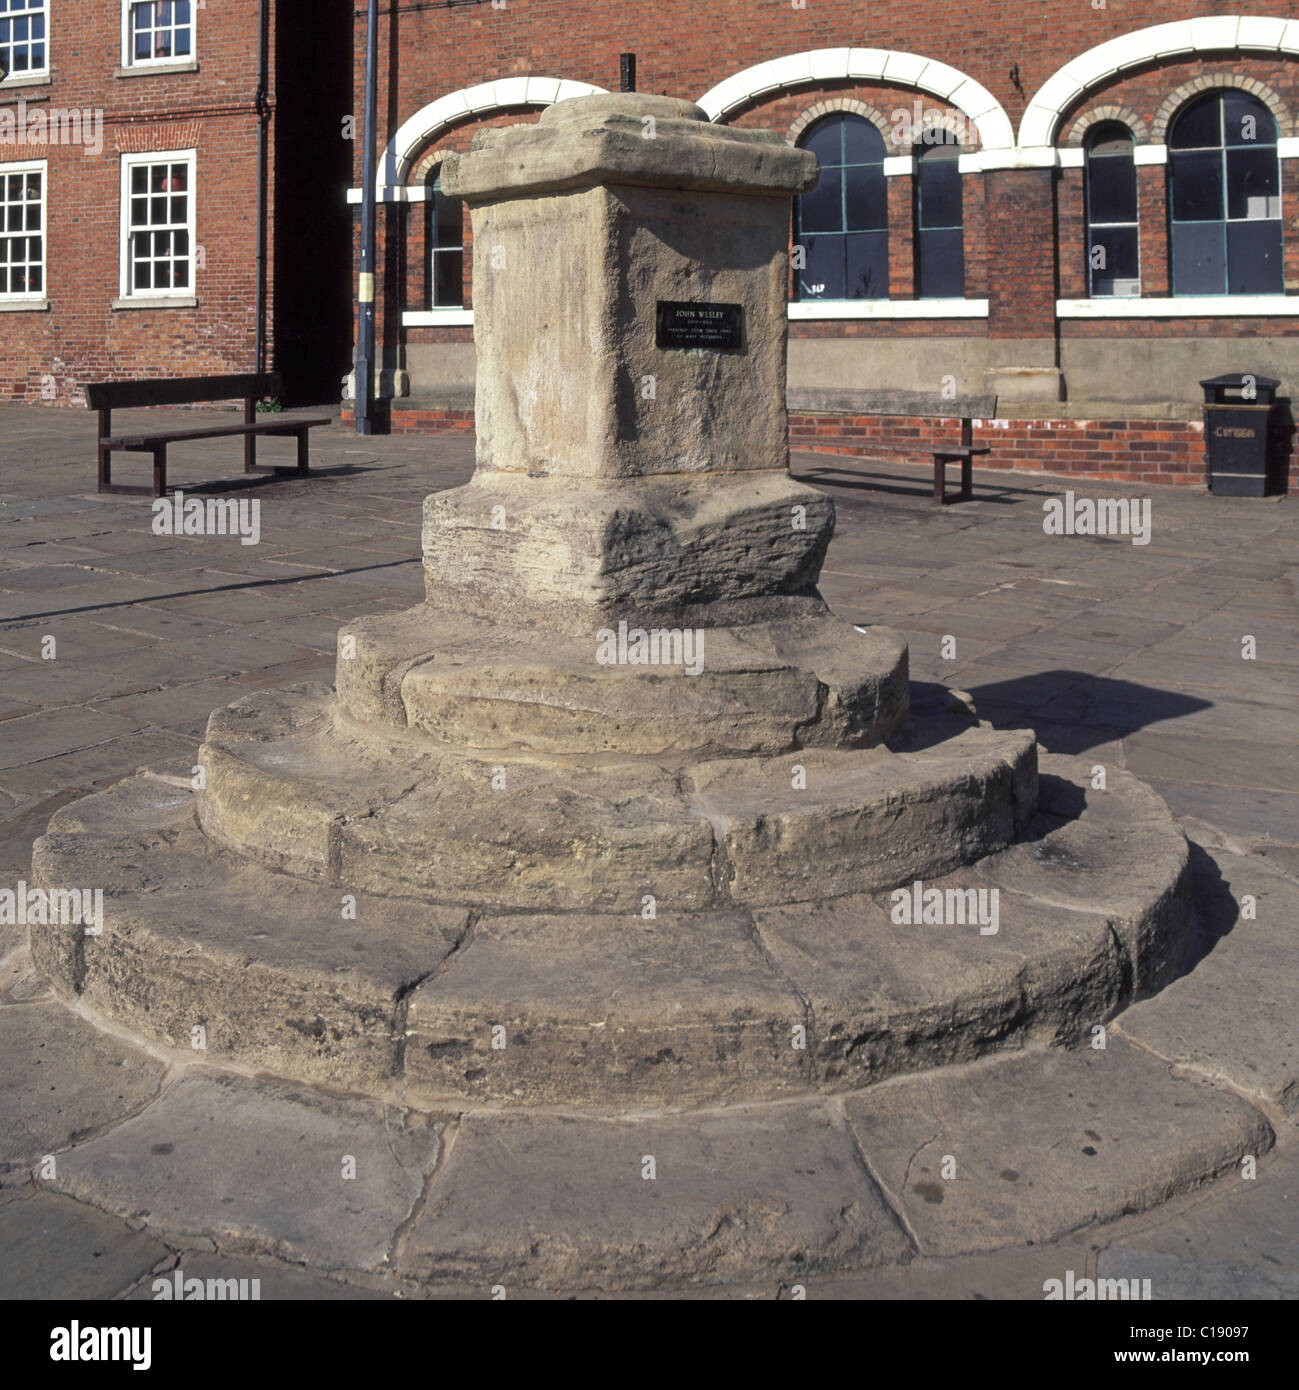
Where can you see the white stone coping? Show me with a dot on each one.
(1181, 307)
(804, 311)
(158, 69)
(158, 301)
(888, 309)
(436, 318)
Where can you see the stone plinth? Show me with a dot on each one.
(622, 786)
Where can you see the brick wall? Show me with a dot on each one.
(1136, 451)
(212, 110)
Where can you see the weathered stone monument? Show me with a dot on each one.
(621, 816)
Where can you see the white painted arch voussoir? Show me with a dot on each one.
(542, 91)
(511, 91)
(940, 78)
(1257, 31)
(1215, 32)
(830, 64)
(867, 63)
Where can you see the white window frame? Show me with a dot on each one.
(41, 167)
(133, 161)
(129, 60)
(17, 79)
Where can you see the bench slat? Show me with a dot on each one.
(282, 424)
(125, 395)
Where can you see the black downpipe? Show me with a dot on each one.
(364, 373)
(263, 138)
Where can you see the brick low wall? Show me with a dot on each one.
(1135, 451)
(423, 421)
(1169, 452)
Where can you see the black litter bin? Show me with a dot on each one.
(1240, 414)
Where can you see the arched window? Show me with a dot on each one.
(940, 226)
(842, 224)
(1113, 232)
(446, 241)
(1225, 198)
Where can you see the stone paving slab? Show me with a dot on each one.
(57, 1248)
(1243, 1244)
(1045, 1143)
(259, 1167)
(1233, 1018)
(566, 1202)
(63, 1079)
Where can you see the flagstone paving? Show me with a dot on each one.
(1128, 656)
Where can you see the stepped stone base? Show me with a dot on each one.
(751, 981)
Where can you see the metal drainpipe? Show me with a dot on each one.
(263, 136)
(363, 376)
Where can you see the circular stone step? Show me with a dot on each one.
(325, 983)
(293, 784)
(468, 683)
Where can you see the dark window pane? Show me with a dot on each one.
(940, 192)
(1254, 257)
(1199, 264)
(1246, 121)
(1112, 188)
(448, 279)
(1112, 257)
(941, 265)
(1253, 183)
(1197, 187)
(821, 210)
(866, 265)
(825, 141)
(822, 277)
(1109, 137)
(1198, 127)
(34, 280)
(448, 220)
(867, 199)
(862, 143)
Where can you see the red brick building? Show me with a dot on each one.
(171, 192)
(1081, 206)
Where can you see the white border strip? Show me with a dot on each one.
(436, 318)
(889, 309)
(1183, 307)
(810, 310)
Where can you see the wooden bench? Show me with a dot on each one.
(912, 404)
(108, 396)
